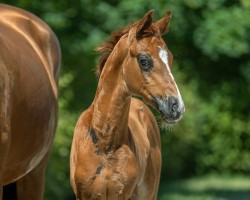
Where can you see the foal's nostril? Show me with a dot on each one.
(171, 108)
(174, 107)
(174, 110)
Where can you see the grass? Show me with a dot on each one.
(212, 187)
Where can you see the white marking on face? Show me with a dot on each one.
(179, 97)
(164, 57)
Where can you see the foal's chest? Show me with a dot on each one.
(113, 175)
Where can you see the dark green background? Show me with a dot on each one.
(210, 41)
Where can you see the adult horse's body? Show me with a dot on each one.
(116, 151)
(29, 70)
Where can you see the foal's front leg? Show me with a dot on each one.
(31, 186)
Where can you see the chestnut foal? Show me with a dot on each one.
(116, 150)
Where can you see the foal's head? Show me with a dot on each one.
(146, 65)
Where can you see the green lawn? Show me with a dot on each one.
(211, 187)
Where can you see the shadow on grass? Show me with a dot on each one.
(205, 189)
(210, 194)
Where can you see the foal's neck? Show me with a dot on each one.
(111, 108)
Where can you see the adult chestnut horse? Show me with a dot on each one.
(116, 152)
(29, 70)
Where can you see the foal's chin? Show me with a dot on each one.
(170, 121)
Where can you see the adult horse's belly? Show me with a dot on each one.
(33, 108)
(33, 125)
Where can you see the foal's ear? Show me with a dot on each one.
(163, 24)
(144, 24)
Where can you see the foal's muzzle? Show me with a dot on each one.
(171, 109)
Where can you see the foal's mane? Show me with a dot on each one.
(107, 47)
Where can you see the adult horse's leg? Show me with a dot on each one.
(1, 188)
(4, 122)
(9, 191)
(31, 186)
(4, 143)
(3, 152)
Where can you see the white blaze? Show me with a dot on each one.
(164, 57)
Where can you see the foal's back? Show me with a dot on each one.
(146, 136)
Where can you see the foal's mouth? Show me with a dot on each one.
(171, 109)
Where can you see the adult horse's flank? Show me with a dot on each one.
(116, 151)
(29, 70)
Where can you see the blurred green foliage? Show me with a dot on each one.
(210, 40)
(208, 187)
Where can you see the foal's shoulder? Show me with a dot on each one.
(141, 114)
(142, 120)
(138, 107)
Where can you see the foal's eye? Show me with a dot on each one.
(145, 62)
